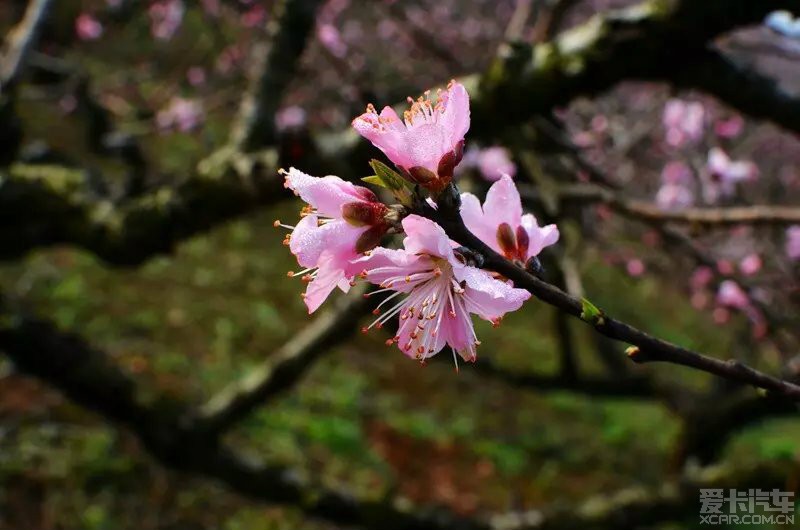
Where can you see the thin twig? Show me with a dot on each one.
(646, 348)
(702, 216)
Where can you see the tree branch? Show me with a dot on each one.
(649, 212)
(20, 41)
(282, 370)
(274, 67)
(646, 347)
(168, 430)
(44, 205)
(654, 39)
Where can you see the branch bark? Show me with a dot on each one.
(20, 41)
(654, 39)
(649, 212)
(646, 347)
(274, 66)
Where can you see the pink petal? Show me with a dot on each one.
(326, 194)
(309, 240)
(459, 332)
(385, 263)
(456, 116)
(477, 222)
(488, 297)
(327, 279)
(503, 204)
(423, 236)
(387, 133)
(540, 237)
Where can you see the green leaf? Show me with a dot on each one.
(391, 178)
(591, 313)
(376, 180)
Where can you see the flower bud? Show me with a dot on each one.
(363, 213)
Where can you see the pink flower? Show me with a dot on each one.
(674, 197)
(180, 114)
(211, 7)
(442, 292)
(731, 295)
(429, 142)
(750, 264)
(255, 16)
(341, 223)
(492, 162)
(330, 37)
(165, 18)
(725, 174)
(292, 117)
(729, 128)
(676, 172)
(196, 75)
(501, 224)
(793, 242)
(684, 122)
(87, 27)
(701, 277)
(635, 267)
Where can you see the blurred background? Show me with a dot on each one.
(122, 101)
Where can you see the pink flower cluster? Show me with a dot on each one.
(166, 17)
(724, 175)
(684, 122)
(433, 289)
(180, 114)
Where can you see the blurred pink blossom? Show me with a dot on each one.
(725, 174)
(750, 264)
(255, 16)
(701, 277)
(332, 40)
(166, 17)
(730, 294)
(229, 59)
(725, 267)
(793, 242)
(684, 122)
(674, 197)
(292, 117)
(491, 162)
(68, 104)
(196, 75)
(87, 27)
(721, 315)
(211, 7)
(729, 128)
(635, 267)
(180, 114)
(676, 172)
